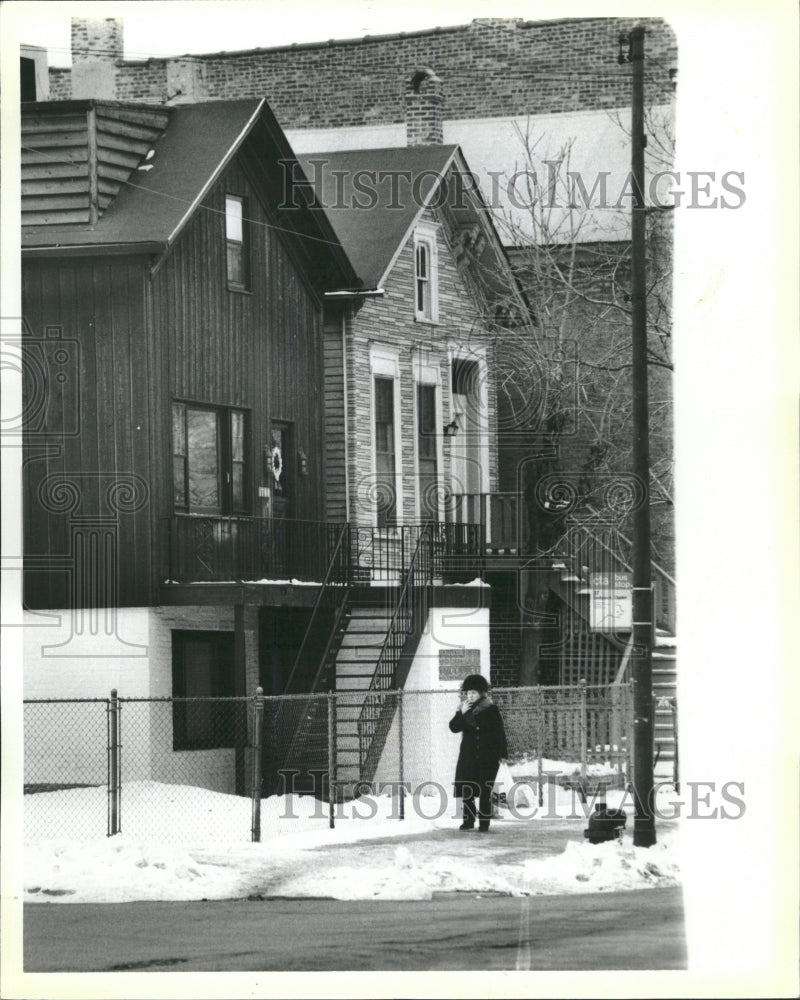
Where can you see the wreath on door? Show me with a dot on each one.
(276, 462)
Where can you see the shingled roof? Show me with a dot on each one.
(167, 179)
(373, 197)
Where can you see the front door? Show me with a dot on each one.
(281, 471)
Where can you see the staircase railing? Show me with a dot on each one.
(312, 711)
(334, 570)
(402, 637)
(664, 584)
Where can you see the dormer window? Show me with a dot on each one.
(426, 305)
(236, 239)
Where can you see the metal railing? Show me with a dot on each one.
(405, 628)
(218, 549)
(498, 515)
(600, 555)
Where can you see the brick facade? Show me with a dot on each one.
(491, 67)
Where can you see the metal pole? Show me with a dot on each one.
(114, 783)
(401, 762)
(331, 757)
(583, 730)
(540, 738)
(644, 834)
(255, 792)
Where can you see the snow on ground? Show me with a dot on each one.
(186, 843)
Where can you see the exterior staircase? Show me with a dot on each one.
(364, 630)
(592, 656)
(665, 679)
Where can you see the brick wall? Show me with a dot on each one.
(489, 68)
(505, 632)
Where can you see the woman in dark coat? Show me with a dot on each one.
(483, 746)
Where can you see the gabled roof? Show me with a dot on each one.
(166, 188)
(373, 198)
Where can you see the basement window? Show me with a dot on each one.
(236, 238)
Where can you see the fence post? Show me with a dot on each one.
(401, 762)
(255, 792)
(584, 729)
(540, 738)
(331, 757)
(114, 773)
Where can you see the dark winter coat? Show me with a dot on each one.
(483, 744)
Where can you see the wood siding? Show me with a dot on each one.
(260, 350)
(75, 161)
(87, 452)
(129, 342)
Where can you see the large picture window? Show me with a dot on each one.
(209, 459)
(202, 667)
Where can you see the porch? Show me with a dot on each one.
(219, 550)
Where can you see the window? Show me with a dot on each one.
(202, 667)
(385, 493)
(426, 452)
(209, 467)
(236, 240)
(426, 306)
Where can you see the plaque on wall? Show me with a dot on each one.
(455, 664)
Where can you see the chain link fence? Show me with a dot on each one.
(220, 769)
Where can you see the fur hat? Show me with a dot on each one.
(475, 682)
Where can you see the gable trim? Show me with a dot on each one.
(414, 222)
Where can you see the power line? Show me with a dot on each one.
(183, 201)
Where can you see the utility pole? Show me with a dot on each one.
(644, 831)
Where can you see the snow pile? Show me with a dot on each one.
(120, 869)
(408, 877)
(210, 856)
(603, 867)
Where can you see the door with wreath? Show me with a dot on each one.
(280, 474)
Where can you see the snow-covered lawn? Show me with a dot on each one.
(166, 852)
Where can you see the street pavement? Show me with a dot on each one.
(637, 930)
(640, 929)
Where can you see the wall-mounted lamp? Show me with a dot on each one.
(451, 429)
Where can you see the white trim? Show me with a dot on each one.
(384, 362)
(427, 373)
(425, 235)
(416, 220)
(478, 356)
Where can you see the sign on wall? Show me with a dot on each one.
(611, 602)
(455, 664)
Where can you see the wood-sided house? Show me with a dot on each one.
(173, 438)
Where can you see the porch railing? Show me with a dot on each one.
(217, 549)
(499, 515)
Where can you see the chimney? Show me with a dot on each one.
(96, 51)
(424, 99)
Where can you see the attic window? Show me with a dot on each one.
(236, 240)
(426, 304)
